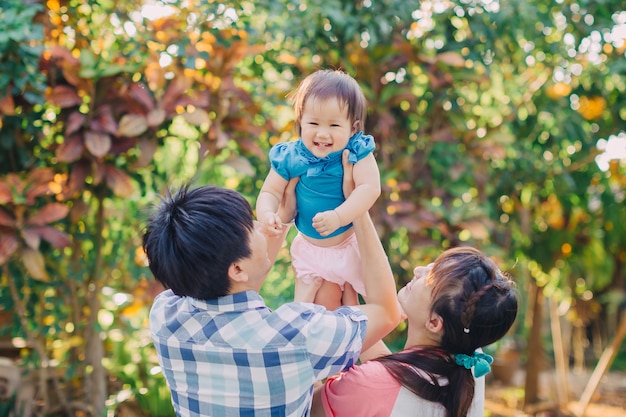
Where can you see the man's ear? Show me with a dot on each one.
(236, 273)
(435, 323)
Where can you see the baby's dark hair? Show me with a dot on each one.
(324, 84)
(478, 305)
(194, 236)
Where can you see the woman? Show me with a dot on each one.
(455, 306)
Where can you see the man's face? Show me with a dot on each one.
(258, 264)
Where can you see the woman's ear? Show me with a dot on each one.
(236, 273)
(435, 323)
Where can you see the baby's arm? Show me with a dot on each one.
(365, 194)
(268, 201)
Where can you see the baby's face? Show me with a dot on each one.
(325, 126)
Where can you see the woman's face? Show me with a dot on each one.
(415, 297)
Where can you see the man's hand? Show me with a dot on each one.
(287, 209)
(305, 293)
(348, 175)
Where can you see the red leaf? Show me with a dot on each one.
(32, 238)
(6, 196)
(141, 93)
(98, 173)
(14, 184)
(119, 182)
(97, 143)
(54, 236)
(38, 183)
(64, 96)
(173, 94)
(78, 175)
(122, 145)
(104, 120)
(8, 245)
(147, 148)
(74, 122)
(48, 214)
(6, 219)
(156, 117)
(71, 149)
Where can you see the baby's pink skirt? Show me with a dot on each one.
(339, 264)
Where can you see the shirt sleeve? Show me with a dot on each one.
(282, 159)
(364, 390)
(360, 146)
(334, 339)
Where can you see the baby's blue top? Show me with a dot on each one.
(320, 186)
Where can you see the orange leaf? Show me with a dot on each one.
(35, 264)
(119, 182)
(7, 105)
(477, 229)
(71, 149)
(49, 214)
(454, 59)
(8, 245)
(132, 125)
(64, 96)
(97, 143)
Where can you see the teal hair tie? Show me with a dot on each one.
(478, 360)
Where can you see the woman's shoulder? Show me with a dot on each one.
(363, 390)
(408, 404)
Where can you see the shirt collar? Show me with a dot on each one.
(247, 300)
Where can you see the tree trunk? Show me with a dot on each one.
(535, 348)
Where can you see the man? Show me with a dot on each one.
(222, 351)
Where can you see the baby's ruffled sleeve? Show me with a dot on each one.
(281, 157)
(360, 146)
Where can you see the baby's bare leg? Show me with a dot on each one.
(329, 295)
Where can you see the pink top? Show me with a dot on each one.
(368, 390)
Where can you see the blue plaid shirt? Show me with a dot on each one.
(235, 357)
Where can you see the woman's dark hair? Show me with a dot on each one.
(478, 305)
(324, 84)
(194, 236)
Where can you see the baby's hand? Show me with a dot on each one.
(271, 224)
(326, 222)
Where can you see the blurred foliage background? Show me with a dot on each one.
(499, 124)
